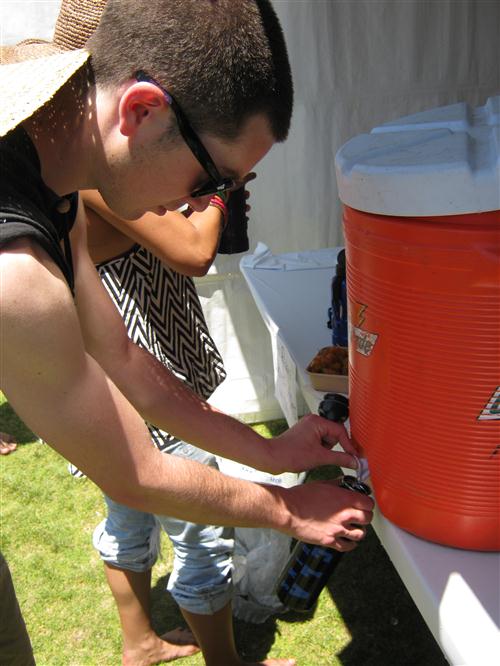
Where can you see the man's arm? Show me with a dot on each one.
(63, 394)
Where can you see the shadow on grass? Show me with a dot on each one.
(253, 641)
(165, 613)
(380, 615)
(11, 424)
(386, 626)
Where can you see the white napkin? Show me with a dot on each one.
(362, 472)
(294, 261)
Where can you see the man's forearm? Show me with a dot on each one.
(188, 490)
(161, 398)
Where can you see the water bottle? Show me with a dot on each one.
(337, 313)
(309, 567)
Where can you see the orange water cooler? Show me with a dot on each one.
(421, 200)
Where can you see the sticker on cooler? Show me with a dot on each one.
(365, 340)
(492, 409)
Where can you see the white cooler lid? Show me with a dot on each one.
(443, 161)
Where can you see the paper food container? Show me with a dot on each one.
(321, 370)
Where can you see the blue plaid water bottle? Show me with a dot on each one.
(309, 567)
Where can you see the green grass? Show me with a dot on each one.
(364, 618)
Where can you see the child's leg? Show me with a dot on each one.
(141, 645)
(128, 543)
(214, 634)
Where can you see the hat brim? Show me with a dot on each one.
(26, 86)
(28, 49)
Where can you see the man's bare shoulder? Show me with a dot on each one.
(29, 278)
(38, 317)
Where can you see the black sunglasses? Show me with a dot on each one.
(216, 184)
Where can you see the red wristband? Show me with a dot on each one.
(219, 203)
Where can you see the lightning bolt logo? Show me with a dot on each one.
(361, 314)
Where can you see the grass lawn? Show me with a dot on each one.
(364, 618)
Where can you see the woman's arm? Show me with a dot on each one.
(188, 245)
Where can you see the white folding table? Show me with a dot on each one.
(456, 591)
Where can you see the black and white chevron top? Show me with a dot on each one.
(163, 314)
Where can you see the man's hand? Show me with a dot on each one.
(308, 445)
(325, 514)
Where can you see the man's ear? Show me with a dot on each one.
(139, 102)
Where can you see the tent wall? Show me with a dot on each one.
(356, 64)
(20, 19)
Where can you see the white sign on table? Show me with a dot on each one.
(285, 380)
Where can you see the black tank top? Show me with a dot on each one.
(28, 208)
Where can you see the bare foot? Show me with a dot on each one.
(180, 636)
(172, 645)
(7, 444)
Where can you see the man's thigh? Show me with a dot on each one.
(15, 646)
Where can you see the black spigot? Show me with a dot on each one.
(334, 407)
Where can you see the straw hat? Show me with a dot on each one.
(34, 70)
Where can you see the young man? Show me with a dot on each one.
(110, 122)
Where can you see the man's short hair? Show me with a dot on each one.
(222, 60)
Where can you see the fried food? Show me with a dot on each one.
(330, 361)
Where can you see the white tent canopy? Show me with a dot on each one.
(356, 64)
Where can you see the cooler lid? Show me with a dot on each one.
(443, 161)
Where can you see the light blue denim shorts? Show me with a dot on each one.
(201, 579)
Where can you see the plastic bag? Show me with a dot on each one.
(260, 554)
